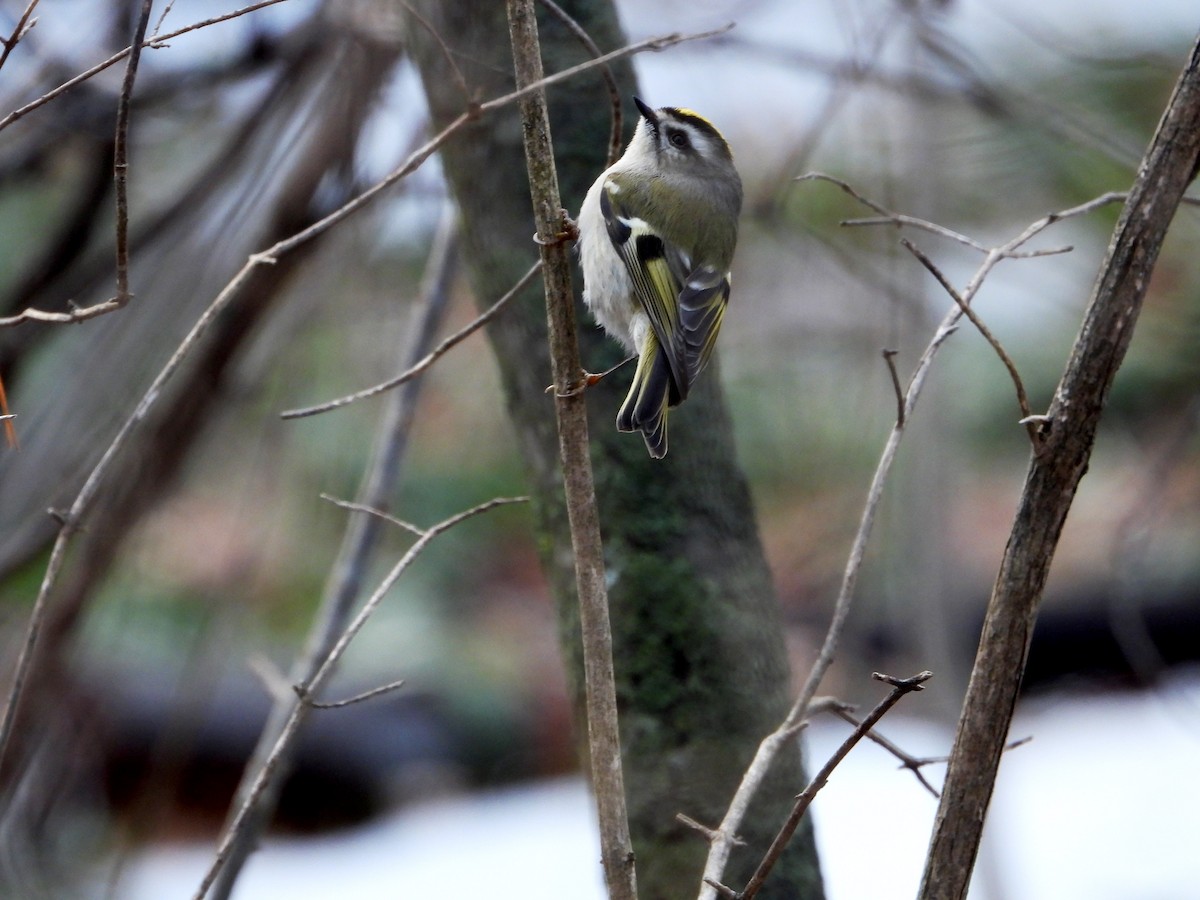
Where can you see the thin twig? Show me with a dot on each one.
(889, 357)
(388, 688)
(377, 513)
(1009, 251)
(22, 29)
(1018, 384)
(939, 760)
(610, 81)
(154, 42)
(121, 155)
(887, 217)
(459, 78)
(162, 17)
(900, 687)
(654, 43)
(432, 357)
(121, 191)
(689, 822)
(287, 733)
(907, 760)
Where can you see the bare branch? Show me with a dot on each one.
(907, 760)
(887, 217)
(1022, 397)
(614, 93)
(691, 823)
(900, 687)
(459, 78)
(433, 356)
(604, 740)
(654, 43)
(74, 315)
(378, 513)
(306, 697)
(23, 25)
(722, 889)
(889, 357)
(120, 183)
(156, 42)
(121, 155)
(287, 734)
(1007, 251)
(162, 17)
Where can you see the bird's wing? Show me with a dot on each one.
(648, 259)
(702, 304)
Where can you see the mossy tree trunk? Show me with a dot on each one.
(700, 660)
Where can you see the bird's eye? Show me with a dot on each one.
(678, 139)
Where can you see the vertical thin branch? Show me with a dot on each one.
(346, 577)
(610, 81)
(1053, 477)
(599, 683)
(121, 153)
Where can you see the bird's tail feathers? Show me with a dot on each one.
(652, 392)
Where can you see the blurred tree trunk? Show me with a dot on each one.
(701, 665)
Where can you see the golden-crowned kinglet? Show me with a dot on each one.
(656, 237)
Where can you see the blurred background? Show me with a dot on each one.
(212, 547)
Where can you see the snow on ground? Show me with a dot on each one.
(1103, 804)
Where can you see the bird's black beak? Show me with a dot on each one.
(647, 113)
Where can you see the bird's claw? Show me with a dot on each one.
(569, 232)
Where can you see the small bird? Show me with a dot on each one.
(657, 233)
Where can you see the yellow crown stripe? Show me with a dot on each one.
(684, 112)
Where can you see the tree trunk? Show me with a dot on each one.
(701, 667)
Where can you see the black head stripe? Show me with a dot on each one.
(696, 120)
